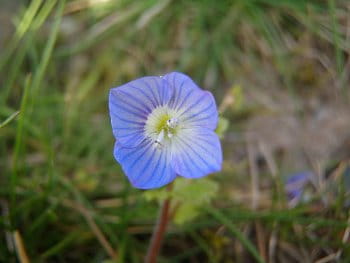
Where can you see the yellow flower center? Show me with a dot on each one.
(161, 125)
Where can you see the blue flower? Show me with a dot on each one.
(295, 186)
(164, 127)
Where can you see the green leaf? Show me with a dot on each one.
(237, 93)
(188, 195)
(186, 212)
(222, 126)
(156, 195)
(191, 195)
(194, 191)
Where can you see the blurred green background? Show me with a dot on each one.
(279, 70)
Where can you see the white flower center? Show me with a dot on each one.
(161, 125)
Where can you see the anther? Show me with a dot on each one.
(172, 123)
(160, 139)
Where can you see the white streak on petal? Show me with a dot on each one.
(131, 104)
(196, 152)
(146, 166)
(195, 107)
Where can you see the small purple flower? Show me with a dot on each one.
(295, 186)
(164, 127)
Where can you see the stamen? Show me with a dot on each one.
(172, 123)
(160, 139)
(161, 126)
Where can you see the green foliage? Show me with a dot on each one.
(188, 196)
(195, 191)
(238, 97)
(157, 195)
(223, 126)
(186, 212)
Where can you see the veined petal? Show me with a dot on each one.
(195, 106)
(146, 166)
(196, 152)
(199, 111)
(182, 85)
(130, 105)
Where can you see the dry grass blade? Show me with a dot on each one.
(344, 240)
(147, 16)
(272, 246)
(113, 20)
(95, 229)
(261, 240)
(20, 248)
(253, 174)
(329, 258)
(80, 5)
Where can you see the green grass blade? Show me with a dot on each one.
(19, 56)
(43, 14)
(39, 74)
(14, 70)
(336, 38)
(21, 30)
(57, 249)
(18, 143)
(9, 119)
(235, 231)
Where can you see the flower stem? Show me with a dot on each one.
(158, 232)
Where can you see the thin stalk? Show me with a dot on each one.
(158, 232)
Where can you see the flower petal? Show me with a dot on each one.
(182, 85)
(200, 111)
(195, 106)
(146, 166)
(130, 105)
(196, 152)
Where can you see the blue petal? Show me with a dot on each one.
(182, 85)
(298, 180)
(130, 105)
(196, 107)
(146, 166)
(200, 111)
(196, 152)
